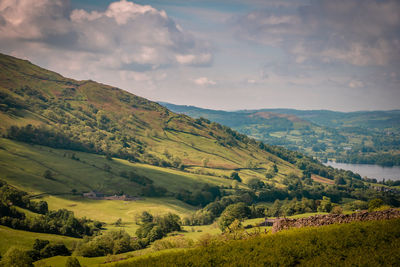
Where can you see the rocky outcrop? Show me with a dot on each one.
(319, 220)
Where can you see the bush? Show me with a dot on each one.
(113, 242)
(235, 176)
(72, 262)
(15, 257)
(231, 213)
(158, 227)
(375, 203)
(337, 210)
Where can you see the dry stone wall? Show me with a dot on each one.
(319, 220)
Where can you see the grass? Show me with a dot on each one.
(25, 240)
(23, 165)
(109, 211)
(10, 237)
(373, 243)
(196, 232)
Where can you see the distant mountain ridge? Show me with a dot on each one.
(356, 137)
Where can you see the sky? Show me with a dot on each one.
(339, 55)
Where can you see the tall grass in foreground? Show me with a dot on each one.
(375, 243)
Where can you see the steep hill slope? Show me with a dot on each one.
(42, 107)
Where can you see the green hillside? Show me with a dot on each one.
(353, 137)
(358, 244)
(42, 107)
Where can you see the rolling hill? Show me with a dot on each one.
(43, 108)
(62, 138)
(353, 137)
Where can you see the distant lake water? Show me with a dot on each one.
(369, 170)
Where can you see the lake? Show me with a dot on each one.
(369, 170)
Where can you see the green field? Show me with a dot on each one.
(23, 239)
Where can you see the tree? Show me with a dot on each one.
(118, 222)
(72, 262)
(231, 213)
(275, 210)
(340, 181)
(375, 203)
(275, 168)
(325, 205)
(255, 184)
(16, 257)
(271, 172)
(145, 217)
(42, 207)
(235, 176)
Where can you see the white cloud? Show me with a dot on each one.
(361, 33)
(204, 81)
(125, 36)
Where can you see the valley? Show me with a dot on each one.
(192, 182)
(364, 137)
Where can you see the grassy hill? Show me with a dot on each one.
(96, 118)
(365, 243)
(354, 137)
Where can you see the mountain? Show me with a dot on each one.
(354, 137)
(44, 108)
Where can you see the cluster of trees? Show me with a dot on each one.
(151, 228)
(238, 211)
(61, 222)
(213, 210)
(42, 135)
(44, 249)
(10, 196)
(290, 207)
(382, 158)
(10, 104)
(201, 197)
(156, 227)
(112, 242)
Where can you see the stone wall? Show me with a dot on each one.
(326, 219)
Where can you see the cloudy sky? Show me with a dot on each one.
(221, 54)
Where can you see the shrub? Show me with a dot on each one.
(231, 213)
(15, 257)
(375, 203)
(72, 262)
(113, 242)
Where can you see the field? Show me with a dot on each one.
(109, 211)
(23, 166)
(23, 239)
